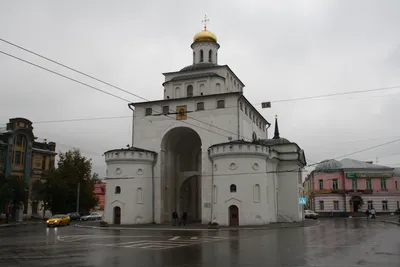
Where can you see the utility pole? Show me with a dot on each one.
(77, 197)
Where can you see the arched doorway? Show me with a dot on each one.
(189, 199)
(233, 215)
(181, 173)
(117, 215)
(356, 203)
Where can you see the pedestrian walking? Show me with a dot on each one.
(174, 218)
(373, 213)
(367, 213)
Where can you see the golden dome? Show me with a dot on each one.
(205, 36)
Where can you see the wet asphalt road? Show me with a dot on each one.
(339, 242)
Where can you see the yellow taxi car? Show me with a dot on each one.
(58, 220)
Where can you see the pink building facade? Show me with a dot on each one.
(100, 192)
(351, 186)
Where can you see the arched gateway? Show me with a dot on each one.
(210, 171)
(181, 173)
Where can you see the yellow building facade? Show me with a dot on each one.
(22, 156)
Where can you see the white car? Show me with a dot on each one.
(94, 216)
(310, 214)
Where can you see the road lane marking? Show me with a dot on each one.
(143, 242)
(123, 243)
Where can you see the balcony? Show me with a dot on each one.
(362, 191)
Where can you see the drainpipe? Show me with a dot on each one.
(153, 195)
(238, 116)
(212, 186)
(131, 107)
(344, 192)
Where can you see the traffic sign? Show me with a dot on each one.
(302, 200)
(265, 104)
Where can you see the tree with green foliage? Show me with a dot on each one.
(14, 191)
(59, 188)
(52, 191)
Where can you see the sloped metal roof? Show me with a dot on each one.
(357, 164)
(396, 172)
(195, 76)
(332, 164)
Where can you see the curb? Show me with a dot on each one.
(144, 229)
(187, 229)
(18, 224)
(395, 223)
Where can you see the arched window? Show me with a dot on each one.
(19, 150)
(139, 195)
(256, 193)
(117, 190)
(177, 92)
(210, 55)
(218, 88)
(233, 188)
(189, 91)
(194, 57)
(201, 55)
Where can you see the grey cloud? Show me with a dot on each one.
(279, 50)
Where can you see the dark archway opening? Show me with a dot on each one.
(233, 215)
(117, 215)
(181, 173)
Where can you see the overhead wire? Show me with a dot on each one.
(269, 172)
(94, 78)
(64, 76)
(126, 100)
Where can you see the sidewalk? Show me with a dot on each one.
(386, 219)
(196, 227)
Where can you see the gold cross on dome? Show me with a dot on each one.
(205, 21)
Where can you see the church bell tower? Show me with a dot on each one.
(205, 46)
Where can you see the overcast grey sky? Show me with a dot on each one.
(279, 49)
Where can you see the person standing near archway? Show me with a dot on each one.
(184, 218)
(174, 218)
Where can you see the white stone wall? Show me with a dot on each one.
(149, 130)
(206, 47)
(228, 82)
(245, 167)
(201, 86)
(135, 198)
(288, 200)
(248, 126)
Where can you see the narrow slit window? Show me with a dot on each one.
(220, 103)
(149, 111)
(200, 106)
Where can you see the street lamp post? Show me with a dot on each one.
(77, 197)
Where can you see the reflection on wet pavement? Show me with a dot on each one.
(338, 242)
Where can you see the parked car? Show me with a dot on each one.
(58, 220)
(309, 214)
(94, 216)
(75, 216)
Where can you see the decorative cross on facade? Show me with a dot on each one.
(205, 21)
